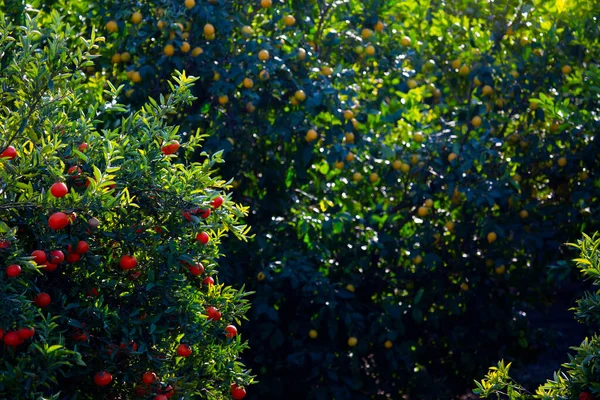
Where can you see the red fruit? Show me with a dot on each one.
(82, 247)
(4, 244)
(202, 237)
(39, 256)
(74, 171)
(58, 221)
(196, 269)
(73, 258)
(80, 336)
(13, 270)
(585, 396)
(237, 392)
(50, 267)
(231, 331)
(217, 202)
(1, 333)
(170, 148)
(213, 313)
(102, 378)
(186, 215)
(168, 392)
(208, 281)
(59, 189)
(12, 339)
(183, 350)
(161, 397)
(56, 257)
(9, 153)
(93, 292)
(141, 390)
(149, 378)
(83, 147)
(203, 213)
(128, 262)
(42, 300)
(26, 333)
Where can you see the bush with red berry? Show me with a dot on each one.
(109, 237)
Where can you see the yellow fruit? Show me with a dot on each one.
(562, 162)
(450, 226)
(476, 81)
(266, 3)
(209, 29)
(514, 74)
(374, 177)
(294, 101)
(354, 123)
(185, 47)
(349, 157)
(216, 76)
(129, 93)
(169, 50)
(348, 115)
(422, 211)
(136, 77)
(313, 334)
(125, 57)
(116, 58)
(326, 70)
(263, 55)
(566, 69)
(456, 63)
(412, 84)
(397, 164)
(452, 157)
(414, 159)
(197, 51)
(224, 99)
(352, 341)
(171, 35)
(533, 106)
(388, 344)
(405, 168)
(476, 121)
(339, 164)
(301, 54)
(300, 95)
(260, 276)
(246, 30)
(160, 25)
(370, 50)
(210, 37)
(250, 107)
(524, 214)
(129, 74)
(311, 135)
(500, 269)
(487, 90)
(517, 178)
(190, 4)
(417, 260)
(583, 175)
(136, 17)
(263, 75)
(349, 137)
(112, 26)
(555, 127)
(524, 41)
(428, 203)
(248, 83)
(357, 176)
(289, 20)
(378, 26)
(510, 31)
(491, 237)
(464, 70)
(366, 33)
(405, 41)
(464, 286)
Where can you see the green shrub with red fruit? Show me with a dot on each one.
(109, 236)
(579, 378)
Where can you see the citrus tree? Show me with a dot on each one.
(108, 236)
(578, 380)
(412, 167)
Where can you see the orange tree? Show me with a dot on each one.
(412, 169)
(108, 237)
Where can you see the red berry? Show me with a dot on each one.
(170, 148)
(74, 171)
(4, 244)
(82, 247)
(56, 257)
(202, 237)
(73, 258)
(161, 397)
(213, 313)
(9, 153)
(93, 292)
(149, 378)
(58, 221)
(141, 390)
(12, 339)
(83, 147)
(196, 269)
(39, 256)
(128, 262)
(204, 213)
(59, 189)
(42, 300)
(1, 333)
(168, 391)
(186, 215)
(26, 333)
(238, 393)
(585, 396)
(208, 281)
(102, 378)
(13, 270)
(217, 202)
(50, 267)
(231, 331)
(183, 350)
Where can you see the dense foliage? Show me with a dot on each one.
(109, 237)
(579, 381)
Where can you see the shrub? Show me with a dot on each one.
(104, 281)
(579, 379)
